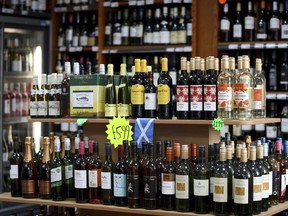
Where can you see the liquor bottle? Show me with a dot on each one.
(237, 25)
(123, 93)
(84, 33)
(137, 92)
(150, 96)
(25, 101)
(164, 92)
(201, 178)
(168, 182)
(120, 178)
(243, 187)
(225, 25)
(94, 176)
(259, 91)
(45, 175)
(16, 163)
(108, 30)
(164, 29)
(284, 72)
(117, 29)
(257, 181)
(150, 175)
(284, 23)
(139, 27)
(155, 71)
(210, 90)
(42, 99)
(177, 157)
(69, 32)
(65, 91)
(273, 73)
(133, 181)
(261, 26)
(182, 30)
(211, 166)
(110, 94)
(182, 101)
(264, 171)
(174, 26)
(69, 170)
(156, 28)
(81, 177)
(274, 23)
(57, 174)
(281, 172)
(222, 185)
(267, 164)
(148, 29)
(107, 177)
(249, 23)
(286, 165)
(183, 178)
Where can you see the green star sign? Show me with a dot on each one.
(218, 124)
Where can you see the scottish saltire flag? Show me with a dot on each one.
(144, 130)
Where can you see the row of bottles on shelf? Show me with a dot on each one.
(235, 179)
(60, 3)
(25, 5)
(254, 20)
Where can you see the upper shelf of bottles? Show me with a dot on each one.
(26, 13)
(166, 122)
(253, 45)
(143, 2)
(78, 49)
(76, 8)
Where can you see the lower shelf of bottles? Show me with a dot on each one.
(70, 203)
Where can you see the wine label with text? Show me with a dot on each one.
(283, 184)
(123, 110)
(271, 131)
(28, 186)
(182, 98)
(163, 94)
(257, 188)
(125, 31)
(182, 37)
(168, 183)
(196, 97)
(265, 188)
(148, 38)
(42, 108)
(237, 31)
(258, 97)
(284, 31)
(54, 108)
(241, 190)
(44, 187)
(274, 23)
(133, 186)
(92, 178)
(110, 110)
(150, 187)
(182, 187)
(284, 126)
(249, 22)
(270, 183)
(68, 171)
(210, 97)
(83, 40)
(56, 174)
(80, 179)
(220, 186)
(156, 37)
(7, 106)
(120, 185)
(201, 187)
(14, 172)
(224, 24)
(137, 94)
(225, 96)
(150, 101)
(241, 95)
(106, 180)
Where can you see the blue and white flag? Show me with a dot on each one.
(144, 130)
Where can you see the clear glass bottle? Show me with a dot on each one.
(259, 91)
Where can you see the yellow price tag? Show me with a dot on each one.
(118, 130)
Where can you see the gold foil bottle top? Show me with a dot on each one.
(192, 64)
(258, 64)
(183, 63)
(149, 68)
(224, 63)
(110, 69)
(260, 152)
(246, 63)
(231, 63)
(133, 70)
(177, 149)
(197, 63)
(123, 70)
(46, 150)
(228, 152)
(202, 64)
(223, 154)
(238, 6)
(184, 152)
(28, 140)
(238, 150)
(210, 63)
(252, 155)
(222, 144)
(143, 65)
(137, 65)
(164, 62)
(216, 64)
(243, 157)
(188, 67)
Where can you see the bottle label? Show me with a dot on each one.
(271, 132)
(274, 23)
(33, 108)
(210, 97)
(196, 97)
(92, 178)
(249, 22)
(182, 187)
(106, 180)
(7, 106)
(261, 36)
(42, 5)
(163, 94)
(34, 5)
(19, 106)
(168, 183)
(284, 31)
(155, 78)
(189, 29)
(42, 108)
(75, 41)
(220, 193)
(125, 31)
(117, 38)
(137, 94)
(270, 183)
(156, 37)
(54, 108)
(258, 97)
(233, 185)
(139, 31)
(276, 183)
(133, 31)
(284, 124)
(44, 187)
(182, 98)
(272, 77)
(91, 40)
(68, 171)
(80, 179)
(237, 31)
(265, 184)
(257, 188)
(56, 174)
(225, 25)
(14, 172)
(150, 101)
(241, 190)
(201, 187)
(110, 110)
(283, 183)
(150, 187)
(17, 65)
(25, 105)
(174, 37)
(260, 127)
(241, 95)
(123, 110)
(173, 75)
(211, 184)
(120, 185)
(60, 41)
(225, 96)
(182, 37)
(148, 38)
(28, 186)
(164, 37)
(13, 105)
(83, 40)
(69, 34)
(133, 186)
(107, 30)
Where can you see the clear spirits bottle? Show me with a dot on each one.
(259, 91)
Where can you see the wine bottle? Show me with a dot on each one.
(249, 23)
(125, 28)
(225, 25)
(243, 187)
(286, 165)
(183, 178)
(143, 159)
(120, 178)
(89, 155)
(65, 90)
(284, 23)
(133, 28)
(237, 25)
(6, 103)
(261, 31)
(133, 181)
(69, 32)
(150, 96)
(164, 92)
(76, 31)
(182, 101)
(107, 177)
(168, 182)
(148, 29)
(267, 164)
(16, 163)
(274, 23)
(182, 30)
(259, 91)
(45, 175)
(54, 98)
(159, 161)
(123, 93)
(69, 170)
(155, 71)
(164, 29)
(108, 30)
(229, 164)
(156, 27)
(84, 34)
(284, 72)
(80, 176)
(281, 172)
(174, 26)
(94, 176)
(211, 166)
(139, 27)
(110, 94)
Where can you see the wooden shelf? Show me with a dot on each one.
(277, 95)
(24, 13)
(18, 75)
(253, 45)
(78, 49)
(76, 8)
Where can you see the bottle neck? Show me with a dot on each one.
(28, 153)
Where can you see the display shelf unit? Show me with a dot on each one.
(25, 13)
(76, 8)
(140, 3)
(253, 45)
(282, 95)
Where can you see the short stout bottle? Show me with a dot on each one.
(150, 96)
(120, 178)
(65, 90)
(123, 93)
(107, 177)
(168, 182)
(69, 170)
(28, 173)
(243, 187)
(45, 175)
(281, 172)
(81, 177)
(57, 174)
(133, 181)
(110, 94)
(16, 162)
(183, 172)
(201, 178)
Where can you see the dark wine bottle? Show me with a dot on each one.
(69, 170)
(229, 164)
(150, 96)
(211, 166)
(249, 23)
(225, 25)
(281, 171)
(177, 158)
(267, 164)
(65, 88)
(159, 164)
(286, 164)
(45, 175)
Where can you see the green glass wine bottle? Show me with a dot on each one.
(69, 170)
(110, 94)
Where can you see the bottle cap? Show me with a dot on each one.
(137, 65)
(101, 69)
(176, 149)
(192, 64)
(123, 70)
(184, 151)
(67, 66)
(243, 157)
(228, 152)
(90, 148)
(260, 152)
(183, 62)
(56, 144)
(81, 147)
(164, 62)
(252, 155)
(76, 68)
(110, 69)
(67, 144)
(201, 151)
(143, 65)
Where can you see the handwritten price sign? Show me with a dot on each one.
(118, 130)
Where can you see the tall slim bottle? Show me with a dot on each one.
(33, 98)
(267, 164)
(150, 96)
(281, 171)
(45, 175)
(42, 98)
(123, 93)
(259, 91)
(229, 164)
(276, 174)
(211, 166)
(110, 94)
(69, 170)
(286, 164)
(65, 88)
(159, 161)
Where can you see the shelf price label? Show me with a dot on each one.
(118, 130)
(149, 2)
(218, 124)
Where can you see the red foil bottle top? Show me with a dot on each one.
(90, 148)
(278, 146)
(81, 148)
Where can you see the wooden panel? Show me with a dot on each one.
(101, 31)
